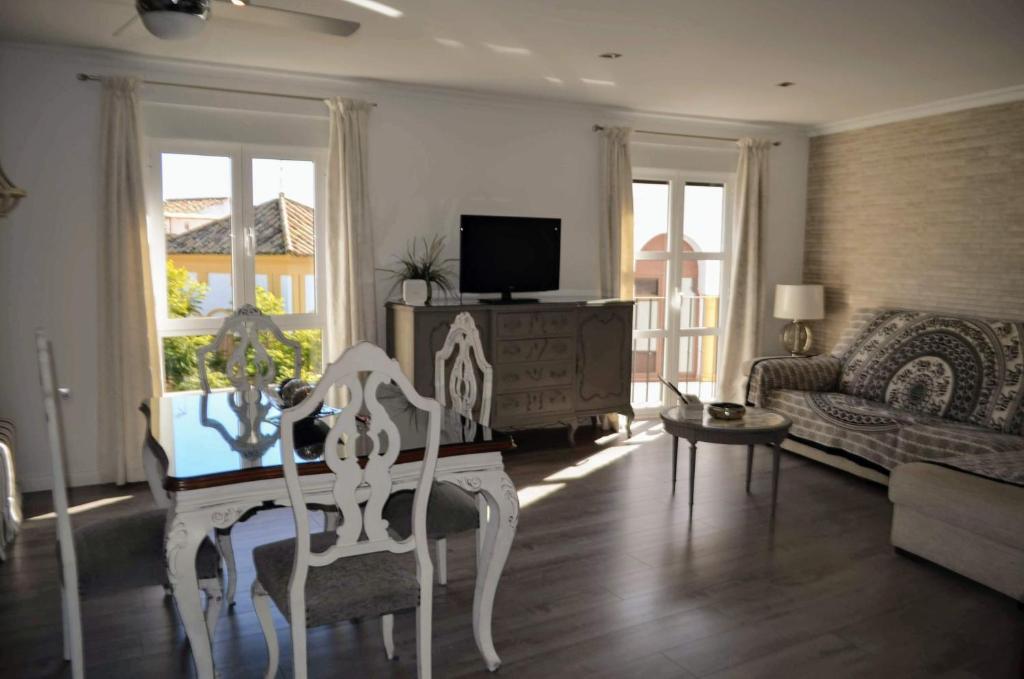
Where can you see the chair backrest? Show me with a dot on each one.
(55, 434)
(245, 325)
(461, 393)
(360, 489)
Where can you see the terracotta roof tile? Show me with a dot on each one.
(190, 206)
(290, 232)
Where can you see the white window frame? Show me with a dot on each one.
(243, 237)
(671, 332)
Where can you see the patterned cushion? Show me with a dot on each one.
(962, 369)
(127, 552)
(887, 437)
(863, 428)
(450, 510)
(350, 587)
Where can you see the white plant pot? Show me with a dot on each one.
(414, 291)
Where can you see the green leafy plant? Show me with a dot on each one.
(429, 265)
(181, 367)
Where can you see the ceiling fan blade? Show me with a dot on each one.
(277, 17)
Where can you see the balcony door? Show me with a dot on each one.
(681, 240)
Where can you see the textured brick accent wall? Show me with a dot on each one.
(924, 214)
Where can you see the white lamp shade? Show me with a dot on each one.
(800, 302)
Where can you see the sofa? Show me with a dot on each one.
(931, 405)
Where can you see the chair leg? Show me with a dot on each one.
(73, 632)
(424, 616)
(299, 654)
(227, 552)
(387, 625)
(214, 600)
(261, 602)
(442, 561)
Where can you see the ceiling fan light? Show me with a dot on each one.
(173, 19)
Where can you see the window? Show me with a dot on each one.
(680, 240)
(234, 225)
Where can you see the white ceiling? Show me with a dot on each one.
(722, 58)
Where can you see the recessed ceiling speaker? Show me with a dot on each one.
(173, 19)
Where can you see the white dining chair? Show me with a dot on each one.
(361, 569)
(244, 328)
(113, 555)
(452, 510)
(241, 333)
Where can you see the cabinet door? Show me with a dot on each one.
(603, 358)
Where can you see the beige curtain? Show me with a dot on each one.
(351, 295)
(743, 317)
(616, 237)
(127, 324)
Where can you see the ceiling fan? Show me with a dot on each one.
(181, 19)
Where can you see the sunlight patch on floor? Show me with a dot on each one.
(84, 507)
(591, 464)
(530, 494)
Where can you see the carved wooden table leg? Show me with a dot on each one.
(675, 460)
(500, 495)
(184, 534)
(693, 467)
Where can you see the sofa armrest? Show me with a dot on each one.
(814, 373)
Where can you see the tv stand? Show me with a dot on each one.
(507, 298)
(555, 362)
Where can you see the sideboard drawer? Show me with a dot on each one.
(533, 403)
(519, 376)
(521, 351)
(535, 324)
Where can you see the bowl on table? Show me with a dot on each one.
(726, 411)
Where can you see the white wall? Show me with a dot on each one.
(434, 155)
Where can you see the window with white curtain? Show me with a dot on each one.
(232, 225)
(681, 241)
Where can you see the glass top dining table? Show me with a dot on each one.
(227, 437)
(223, 459)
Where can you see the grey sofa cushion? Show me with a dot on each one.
(128, 551)
(963, 369)
(887, 436)
(351, 587)
(995, 510)
(450, 510)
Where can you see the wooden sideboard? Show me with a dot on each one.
(554, 362)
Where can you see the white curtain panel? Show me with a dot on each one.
(743, 318)
(351, 294)
(615, 241)
(127, 325)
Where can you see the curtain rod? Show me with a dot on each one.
(598, 128)
(89, 76)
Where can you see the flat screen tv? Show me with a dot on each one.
(509, 254)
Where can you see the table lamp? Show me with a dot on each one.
(799, 303)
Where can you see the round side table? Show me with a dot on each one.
(757, 426)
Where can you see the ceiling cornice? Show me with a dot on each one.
(987, 98)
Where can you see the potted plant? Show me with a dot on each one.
(419, 270)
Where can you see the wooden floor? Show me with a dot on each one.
(610, 576)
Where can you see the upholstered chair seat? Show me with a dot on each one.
(349, 588)
(451, 510)
(128, 551)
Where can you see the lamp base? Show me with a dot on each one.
(796, 338)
